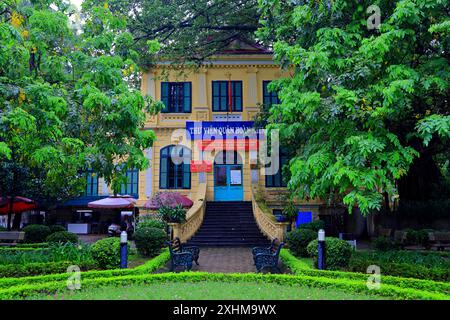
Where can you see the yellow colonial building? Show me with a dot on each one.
(206, 145)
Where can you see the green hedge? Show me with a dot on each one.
(23, 291)
(21, 249)
(148, 267)
(407, 270)
(298, 267)
(32, 245)
(30, 269)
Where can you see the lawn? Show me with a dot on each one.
(206, 291)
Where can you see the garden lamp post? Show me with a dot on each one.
(322, 249)
(123, 250)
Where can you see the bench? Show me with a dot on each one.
(181, 255)
(266, 250)
(12, 237)
(439, 240)
(267, 257)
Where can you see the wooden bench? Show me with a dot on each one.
(181, 255)
(267, 257)
(439, 240)
(12, 237)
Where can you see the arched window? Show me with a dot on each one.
(174, 168)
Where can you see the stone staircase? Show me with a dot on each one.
(229, 224)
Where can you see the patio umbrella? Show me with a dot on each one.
(171, 199)
(117, 202)
(20, 204)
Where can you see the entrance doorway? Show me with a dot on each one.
(228, 177)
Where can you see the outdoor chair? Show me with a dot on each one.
(266, 250)
(182, 255)
(349, 238)
(269, 259)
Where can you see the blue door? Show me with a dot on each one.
(228, 182)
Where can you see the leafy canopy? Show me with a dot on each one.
(362, 105)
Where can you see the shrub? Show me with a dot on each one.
(384, 244)
(420, 265)
(314, 226)
(299, 239)
(149, 241)
(151, 222)
(35, 233)
(298, 267)
(3, 228)
(106, 253)
(172, 214)
(56, 228)
(338, 253)
(40, 268)
(62, 237)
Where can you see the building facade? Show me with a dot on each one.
(207, 123)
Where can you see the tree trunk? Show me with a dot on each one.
(16, 221)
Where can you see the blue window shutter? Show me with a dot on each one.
(186, 176)
(165, 96)
(187, 97)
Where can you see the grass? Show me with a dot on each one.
(206, 291)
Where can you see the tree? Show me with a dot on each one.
(67, 101)
(189, 31)
(367, 105)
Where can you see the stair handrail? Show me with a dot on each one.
(194, 217)
(266, 221)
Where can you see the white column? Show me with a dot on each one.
(252, 93)
(105, 191)
(202, 89)
(151, 88)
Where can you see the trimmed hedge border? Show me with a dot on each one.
(21, 249)
(298, 267)
(386, 290)
(39, 268)
(148, 267)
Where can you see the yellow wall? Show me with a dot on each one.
(252, 70)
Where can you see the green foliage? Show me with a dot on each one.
(298, 240)
(360, 107)
(36, 233)
(151, 222)
(172, 214)
(69, 101)
(40, 268)
(62, 237)
(56, 228)
(199, 277)
(405, 264)
(106, 253)
(384, 244)
(417, 237)
(298, 267)
(314, 226)
(149, 241)
(148, 267)
(189, 31)
(338, 253)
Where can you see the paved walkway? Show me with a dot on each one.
(224, 260)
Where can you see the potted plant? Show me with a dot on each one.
(171, 214)
(290, 211)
